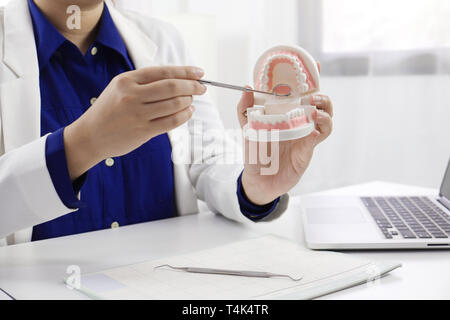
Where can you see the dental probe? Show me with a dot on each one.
(240, 273)
(233, 87)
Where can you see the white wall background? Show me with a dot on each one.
(393, 128)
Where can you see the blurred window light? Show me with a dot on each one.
(384, 25)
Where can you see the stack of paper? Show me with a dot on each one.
(321, 272)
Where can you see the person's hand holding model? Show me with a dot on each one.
(295, 155)
(283, 66)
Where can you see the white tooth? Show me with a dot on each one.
(256, 117)
(290, 115)
(305, 87)
(273, 119)
(303, 76)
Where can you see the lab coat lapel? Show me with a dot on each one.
(141, 48)
(20, 96)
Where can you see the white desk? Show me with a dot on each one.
(36, 270)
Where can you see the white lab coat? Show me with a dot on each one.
(27, 194)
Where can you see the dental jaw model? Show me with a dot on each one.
(283, 70)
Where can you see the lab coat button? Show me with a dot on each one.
(94, 51)
(93, 100)
(109, 162)
(114, 225)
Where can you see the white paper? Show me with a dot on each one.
(4, 296)
(322, 272)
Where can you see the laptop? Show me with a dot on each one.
(352, 223)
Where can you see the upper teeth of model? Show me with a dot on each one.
(294, 62)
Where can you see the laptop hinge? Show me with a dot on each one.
(445, 202)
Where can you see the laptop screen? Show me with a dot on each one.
(445, 188)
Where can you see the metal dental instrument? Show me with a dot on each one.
(240, 273)
(233, 87)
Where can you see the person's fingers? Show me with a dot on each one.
(165, 124)
(312, 139)
(305, 146)
(152, 74)
(247, 101)
(319, 66)
(322, 102)
(324, 124)
(165, 108)
(168, 89)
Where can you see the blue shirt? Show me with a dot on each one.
(134, 188)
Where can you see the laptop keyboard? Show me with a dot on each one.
(408, 217)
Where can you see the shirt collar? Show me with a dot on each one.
(49, 39)
(109, 36)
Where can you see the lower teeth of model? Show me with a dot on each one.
(273, 119)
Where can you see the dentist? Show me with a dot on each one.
(90, 117)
